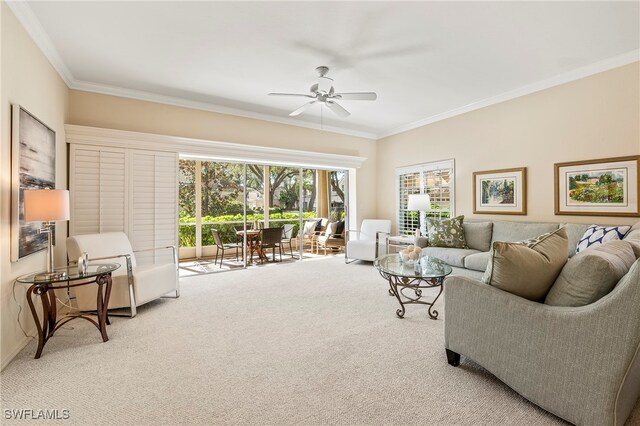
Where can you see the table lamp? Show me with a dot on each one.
(47, 206)
(421, 203)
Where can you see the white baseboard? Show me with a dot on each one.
(20, 346)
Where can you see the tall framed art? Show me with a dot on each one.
(33, 160)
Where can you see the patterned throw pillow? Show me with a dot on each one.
(446, 232)
(596, 235)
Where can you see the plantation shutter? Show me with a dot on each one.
(435, 179)
(154, 204)
(98, 189)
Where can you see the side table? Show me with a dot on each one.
(406, 282)
(45, 285)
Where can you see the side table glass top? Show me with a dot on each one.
(426, 267)
(70, 274)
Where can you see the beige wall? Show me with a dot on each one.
(27, 79)
(594, 117)
(91, 109)
(590, 118)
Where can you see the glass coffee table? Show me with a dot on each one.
(45, 285)
(406, 281)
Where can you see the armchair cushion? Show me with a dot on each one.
(591, 274)
(365, 245)
(148, 282)
(527, 269)
(163, 277)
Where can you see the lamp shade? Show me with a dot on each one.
(419, 202)
(46, 205)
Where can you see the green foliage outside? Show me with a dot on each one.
(226, 224)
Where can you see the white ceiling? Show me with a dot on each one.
(426, 60)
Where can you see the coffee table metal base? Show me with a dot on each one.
(409, 291)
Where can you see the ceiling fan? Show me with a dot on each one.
(323, 92)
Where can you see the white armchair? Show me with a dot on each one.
(133, 285)
(365, 244)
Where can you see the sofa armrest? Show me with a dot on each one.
(572, 361)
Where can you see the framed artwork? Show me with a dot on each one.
(500, 191)
(33, 160)
(603, 187)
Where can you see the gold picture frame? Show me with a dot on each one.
(600, 187)
(502, 191)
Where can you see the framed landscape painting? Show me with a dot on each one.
(33, 159)
(604, 187)
(500, 191)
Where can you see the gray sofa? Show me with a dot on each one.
(580, 363)
(479, 235)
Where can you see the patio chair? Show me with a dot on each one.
(271, 238)
(287, 237)
(221, 247)
(312, 229)
(330, 238)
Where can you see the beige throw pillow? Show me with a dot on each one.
(528, 268)
(592, 273)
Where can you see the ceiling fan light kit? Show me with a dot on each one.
(323, 92)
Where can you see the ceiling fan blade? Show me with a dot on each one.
(359, 96)
(291, 94)
(324, 84)
(338, 109)
(302, 108)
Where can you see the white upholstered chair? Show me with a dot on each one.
(133, 284)
(365, 244)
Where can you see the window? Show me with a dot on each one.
(435, 179)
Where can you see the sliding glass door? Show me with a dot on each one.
(227, 197)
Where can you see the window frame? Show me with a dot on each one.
(421, 169)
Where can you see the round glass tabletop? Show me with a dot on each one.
(426, 267)
(68, 273)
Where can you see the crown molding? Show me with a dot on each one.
(207, 149)
(103, 89)
(576, 74)
(34, 28)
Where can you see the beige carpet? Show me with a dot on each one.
(304, 343)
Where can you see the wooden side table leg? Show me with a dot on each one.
(52, 312)
(100, 307)
(41, 327)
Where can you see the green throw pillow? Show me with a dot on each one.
(527, 268)
(446, 232)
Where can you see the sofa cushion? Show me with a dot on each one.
(575, 231)
(634, 233)
(528, 268)
(519, 231)
(591, 274)
(446, 232)
(477, 235)
(597, 235)
(451, 256)
(477, 261)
